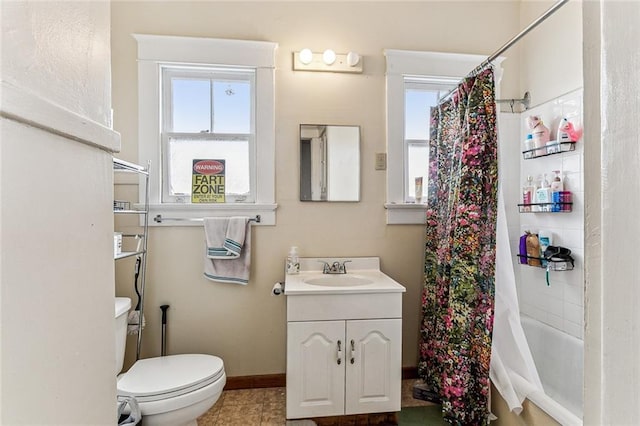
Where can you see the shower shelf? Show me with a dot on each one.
(554, 265)
(556, 148)
(559, 207)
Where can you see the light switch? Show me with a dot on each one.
(381, 161)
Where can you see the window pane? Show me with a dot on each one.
(417, 166)
(182, 152)
(417, 109)
(191, 103)
(232, 106)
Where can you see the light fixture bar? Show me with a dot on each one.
(341, 64)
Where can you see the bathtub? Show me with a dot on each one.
(559, 358)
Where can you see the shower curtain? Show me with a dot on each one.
(458, 293)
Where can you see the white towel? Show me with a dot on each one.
(128, 406)
(227, 249)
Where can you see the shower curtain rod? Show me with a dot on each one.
(514, 40)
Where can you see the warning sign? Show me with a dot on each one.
(207, 181)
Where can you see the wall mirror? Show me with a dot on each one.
(329, 163)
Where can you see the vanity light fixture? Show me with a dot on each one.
(306, 56)
(329, 57)
(328, 61)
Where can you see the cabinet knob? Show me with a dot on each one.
(353, 351)
(339, 360)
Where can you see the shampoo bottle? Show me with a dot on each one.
(528, 193)
(528, 147)
(546, 239)
(556, 188)
(564, 128)
(556, 183)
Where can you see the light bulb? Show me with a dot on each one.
(329, 57)
(305, 56)
(352, 59)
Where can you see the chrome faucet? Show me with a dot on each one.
(335, 268)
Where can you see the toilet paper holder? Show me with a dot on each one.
(277, 289)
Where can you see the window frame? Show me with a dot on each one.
(403, 65)
(212, 73)
(154, 52)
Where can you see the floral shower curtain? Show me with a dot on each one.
(458, 293)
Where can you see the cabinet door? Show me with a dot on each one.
(374, 366)
(315, 369)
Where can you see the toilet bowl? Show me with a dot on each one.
(171, 390)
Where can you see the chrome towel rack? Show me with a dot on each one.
(159, 219)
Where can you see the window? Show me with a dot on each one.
(207, 99)
(415, 81)
(208, 113)
(420, 95)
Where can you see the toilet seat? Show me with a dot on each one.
(157, 379)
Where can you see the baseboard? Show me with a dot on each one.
(251, 382)
(409, 373)
(280, 380)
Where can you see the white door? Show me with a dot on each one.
(374, 366)
(315, 368)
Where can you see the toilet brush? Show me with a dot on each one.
(163, 348)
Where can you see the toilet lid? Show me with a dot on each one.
(164, 377)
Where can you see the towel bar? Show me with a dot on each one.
(160, 219)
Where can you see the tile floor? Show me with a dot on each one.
(266, 407)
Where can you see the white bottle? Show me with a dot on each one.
(556, 183)
(528, 146)
(543, 195)
(293, 261)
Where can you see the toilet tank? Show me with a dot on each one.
(123, 304)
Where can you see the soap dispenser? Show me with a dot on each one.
(293, 261)
(543, 195)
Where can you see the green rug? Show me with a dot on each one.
(424, 416)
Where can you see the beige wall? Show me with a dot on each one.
(551, 54)
(245, 325)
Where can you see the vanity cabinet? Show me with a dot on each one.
(343, 367)
(344, 341)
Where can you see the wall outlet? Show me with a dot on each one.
(381, 161)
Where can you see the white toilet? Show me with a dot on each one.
(171, 390)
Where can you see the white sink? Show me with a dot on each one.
(338, 280)
(363, 277)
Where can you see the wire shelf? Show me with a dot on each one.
(549, 149)
(557, 207)
(551, 264)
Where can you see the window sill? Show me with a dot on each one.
(405, 214)
(181, 213)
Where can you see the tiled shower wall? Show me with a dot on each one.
(559, 304)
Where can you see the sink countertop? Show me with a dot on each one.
(360, 267)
